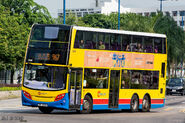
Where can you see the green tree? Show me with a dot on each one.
(97, 20)
(71, 19)
(129, 21)
(12, 41)
(175, 40)
(29, 10)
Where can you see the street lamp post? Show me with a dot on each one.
(182, 23)
(118, 14)
(64, 11)
(161, 5)
(182, 57)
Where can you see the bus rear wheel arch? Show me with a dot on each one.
(87, 105)
(134, 103)
(146, 103)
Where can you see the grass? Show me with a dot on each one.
(9, 88)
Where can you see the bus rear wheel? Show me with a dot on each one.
(87, 105)
(45, 110)
(134, 104)
(146, 104)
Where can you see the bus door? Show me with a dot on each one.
(75, 88)
(114, 88)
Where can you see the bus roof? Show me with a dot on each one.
(119, 32)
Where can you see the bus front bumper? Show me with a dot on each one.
(61, 104)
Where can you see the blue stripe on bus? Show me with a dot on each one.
(100, 107)
(140, 106)
(97, 107)
(127, 106)
(153, 106)
(157, 105)
(124, 106)
(62, 104)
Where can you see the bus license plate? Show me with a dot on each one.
(43, 105)
(173, 90)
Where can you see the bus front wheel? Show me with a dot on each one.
(45, 110)
(87, 105)
(134, 104)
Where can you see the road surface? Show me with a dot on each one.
(11, 111)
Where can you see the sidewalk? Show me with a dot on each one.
(13, 105)
(9, 94)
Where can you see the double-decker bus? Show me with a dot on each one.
(85, 69)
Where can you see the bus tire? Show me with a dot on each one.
(146, 104)
(134, 104)
(87, 105)
(45, 110)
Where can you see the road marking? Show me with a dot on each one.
(183, 111)
(168, 109)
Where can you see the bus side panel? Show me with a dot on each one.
(100, 98)
(126, 95)
(76, 58)
(159, 59)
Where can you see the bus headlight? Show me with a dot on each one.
(59, 97)
(26, 94)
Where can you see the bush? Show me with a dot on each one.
(9, 88)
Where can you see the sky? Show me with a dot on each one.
(54, 5)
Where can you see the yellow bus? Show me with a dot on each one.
(86, 69)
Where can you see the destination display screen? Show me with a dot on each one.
(47, 56)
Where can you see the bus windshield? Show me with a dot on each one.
(48, 44)
(45, 77)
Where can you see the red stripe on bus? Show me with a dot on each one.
(100, 101)
(124, 101)
(140, 101)
(157, 101)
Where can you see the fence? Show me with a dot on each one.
(5, 76)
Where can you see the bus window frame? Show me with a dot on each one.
(118, 38)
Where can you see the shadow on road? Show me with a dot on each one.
(64, 112)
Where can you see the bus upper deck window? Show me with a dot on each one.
(101, 41)
(107, 41)
(51, 32)
(126, 40)
(157, 45)
(137, 45)
(88, 40)
(148, 45)
(79, 39)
